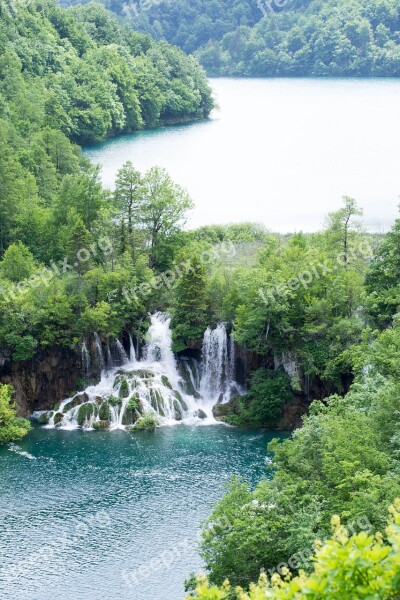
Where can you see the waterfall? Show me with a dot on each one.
(215, 362)
(99, 350)
(159, 345)
(157, 384)
(232, 367)
(132, 352)
(122, 355)
(110, 362)
(85, 360)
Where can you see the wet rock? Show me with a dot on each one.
(147, 422)
(166, 381)
(58, 417)
(181, 401)
(44, 418)
(113, 401)
(200, 414)
(84, 413)
(80, 399)
(144, 374)
(104, 412)
(228, 408)
(103, 424)
(124, 389)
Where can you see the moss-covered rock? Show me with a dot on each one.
(101, 425)
(166, 381)
(157, 401)
(133, 403)
(187, 383)
(147, 422)
(75, 402)
(114, 401)
(124, 388)
(181, 401)
(58, 417)
(44, 418)
(144, 374)
(128, 417)
(104, 412)
(229, 411)
(84, 413)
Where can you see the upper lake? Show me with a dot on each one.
(279, 151)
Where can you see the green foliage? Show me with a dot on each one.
(190, 314)
(91, 81)
(18, 263)
(147, 422)
(11, 427)
(342, 461)
(345, 566)
(382, 280)
(275, 39)
(262, 406)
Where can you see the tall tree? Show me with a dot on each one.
(163, 210)
(342, 228)
(128, 197)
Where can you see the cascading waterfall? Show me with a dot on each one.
(217, 381)
(122, 355)
(232, 366)
(132, 352)
(99, 351)
(85, 360)
(110, 361)
(156, 384)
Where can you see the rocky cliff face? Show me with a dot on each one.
(41, 382)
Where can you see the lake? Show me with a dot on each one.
(104, 515)
(279, 151)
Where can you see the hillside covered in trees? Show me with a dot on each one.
(275, 39)
(79, 72)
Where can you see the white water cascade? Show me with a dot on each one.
(132, 351)
(99, 351)
(85, 360)
(157, 384)
(218, 368)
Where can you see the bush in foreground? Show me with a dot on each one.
(11, 427)
(356, 567)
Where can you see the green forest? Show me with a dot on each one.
(270, 38)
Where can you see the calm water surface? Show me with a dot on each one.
(280, 151)
(78, 509)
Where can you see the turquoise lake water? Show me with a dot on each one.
(108, 515)
(282, 152)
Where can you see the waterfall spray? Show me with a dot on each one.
(99, 350)
(132, 352)
(85, 360)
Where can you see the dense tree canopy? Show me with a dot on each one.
(78, 71)
(271, 38)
